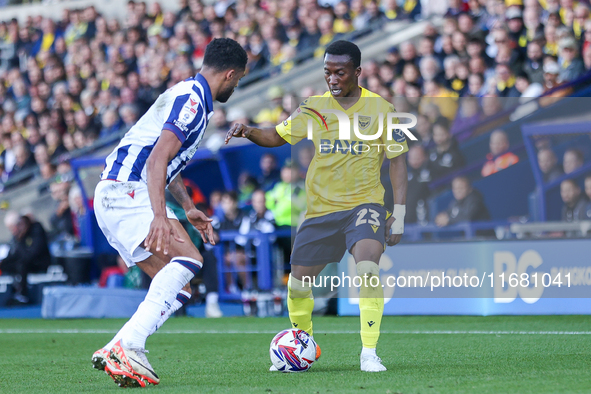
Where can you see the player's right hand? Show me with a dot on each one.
(238, 130)
(391, 239)
(202, 224)
(160, 232)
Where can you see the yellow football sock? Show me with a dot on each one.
(300, 303)
(371, 303)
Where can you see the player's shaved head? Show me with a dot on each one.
(342, 61)
(345, 48)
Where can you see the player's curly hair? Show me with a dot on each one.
(342, 47)
(224, 54)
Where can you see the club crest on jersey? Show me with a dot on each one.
(398, 135)
(364, 122)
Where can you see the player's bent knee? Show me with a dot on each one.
(298, 288)
(184, 268)
(151, 266)
(368, 268)
(368, 250)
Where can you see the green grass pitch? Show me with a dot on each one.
(500, 354)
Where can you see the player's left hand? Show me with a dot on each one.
(202, 224)
(391, 239)
(238, 130)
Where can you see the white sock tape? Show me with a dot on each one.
(398, 214)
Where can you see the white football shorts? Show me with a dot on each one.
(124, 214)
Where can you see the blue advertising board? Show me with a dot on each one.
(478, 278)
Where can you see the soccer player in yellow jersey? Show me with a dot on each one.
(345, 196)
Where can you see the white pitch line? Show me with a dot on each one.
(435, 332)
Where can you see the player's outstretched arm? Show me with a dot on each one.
(399, 179)
(197, 218)
(267, 137)
(160, 229)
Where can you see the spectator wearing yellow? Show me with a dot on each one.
(391, 8)
(76, 29)
(271, 115)
(287, 200)
(531, 20)
(342, 22)
(327, 34)
(566, 8)
(581, 16)
(505, 81)
(433, 94)
(551, 47)
(281, 55)
(517, 30)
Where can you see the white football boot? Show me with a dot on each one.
(371, 363)
(212, 310)
(135, 361)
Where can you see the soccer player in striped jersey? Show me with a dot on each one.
(345, 196)
(130, 206)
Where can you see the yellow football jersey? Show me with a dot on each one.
(345, 172)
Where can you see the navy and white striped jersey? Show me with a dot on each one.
(185, 110)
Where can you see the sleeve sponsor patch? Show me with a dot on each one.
(187, 113)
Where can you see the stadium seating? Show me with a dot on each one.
(509, 194)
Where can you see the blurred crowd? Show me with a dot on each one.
(82, 80)
(64, 84)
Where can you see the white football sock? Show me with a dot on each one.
(211, 298)
(117, 336)
(368, 351)
(161, 296)
(181, 299)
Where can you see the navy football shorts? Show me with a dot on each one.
(325, 239)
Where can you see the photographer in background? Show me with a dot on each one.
(29, 253)
(467, 205)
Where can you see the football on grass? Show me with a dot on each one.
(293, 351)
